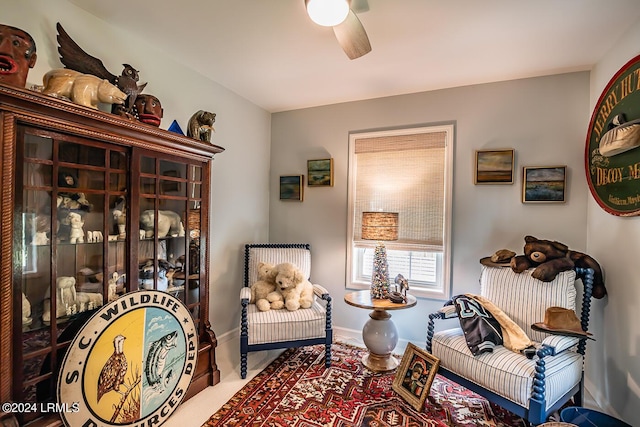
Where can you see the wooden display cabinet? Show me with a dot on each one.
(93, 206)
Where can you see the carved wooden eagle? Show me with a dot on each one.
(114, 370)
(73, 57)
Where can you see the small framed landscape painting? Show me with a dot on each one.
(414, 376)
(494, 167)
(291, 187)
(544, 184)
(320, 173)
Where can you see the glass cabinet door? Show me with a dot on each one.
(170, 236)
(71, 257)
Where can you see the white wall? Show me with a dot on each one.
(615, 242)
(239, 212)
(543, 119)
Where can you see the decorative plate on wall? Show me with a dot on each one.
(612, 155)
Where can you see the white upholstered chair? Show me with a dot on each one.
(275, 329)
(531, 388)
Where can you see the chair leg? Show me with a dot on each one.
(243, 365)
(327, 355)
(579, 396)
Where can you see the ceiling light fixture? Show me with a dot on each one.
(327, 13)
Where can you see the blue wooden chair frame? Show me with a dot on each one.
(245, 347)
(536, 413)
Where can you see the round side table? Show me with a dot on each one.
(379, 333)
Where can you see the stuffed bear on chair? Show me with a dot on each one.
(263, 291)
(296, 290)
(550, 258)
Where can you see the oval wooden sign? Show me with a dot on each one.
(131, 363)
(612, 154)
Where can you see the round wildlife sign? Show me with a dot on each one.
(131, 363)
(612, 156)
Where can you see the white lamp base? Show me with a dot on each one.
(380, 335)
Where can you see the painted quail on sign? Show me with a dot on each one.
(114, 370)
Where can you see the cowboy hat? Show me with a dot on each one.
(501, 258)
(561, 321)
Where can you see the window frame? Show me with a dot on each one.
(443, 290)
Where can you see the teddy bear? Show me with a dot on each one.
(295, 289)
(263, 291)
(550, 258)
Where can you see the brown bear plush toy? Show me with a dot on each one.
(550, 258)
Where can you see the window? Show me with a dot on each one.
(408, 171)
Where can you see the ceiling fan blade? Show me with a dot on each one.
(359, 6)
(352, 36)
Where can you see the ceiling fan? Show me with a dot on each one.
(346, 26)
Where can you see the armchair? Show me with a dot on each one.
(273, 329)
(530, 388)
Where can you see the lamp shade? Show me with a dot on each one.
(380, 225)
(327, 12)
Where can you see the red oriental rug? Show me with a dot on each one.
(297, 390)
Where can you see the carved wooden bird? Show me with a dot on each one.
(74, 58)
(114, 370)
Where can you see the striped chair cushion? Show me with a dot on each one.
(284, 325)
(505, 372)
(301, 258)
(525, 299)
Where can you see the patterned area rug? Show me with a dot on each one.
(297, 390)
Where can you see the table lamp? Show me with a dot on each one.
(380, 226)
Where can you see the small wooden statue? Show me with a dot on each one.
(401, 281)
(201, 125)
(148, 109)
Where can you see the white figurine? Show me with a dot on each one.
(113, 287)
(40, 238)
(119, 213)
(77, 233)
(67, 290)
(26, 310)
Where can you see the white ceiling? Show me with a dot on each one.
(271, 53)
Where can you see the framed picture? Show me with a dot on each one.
(291, 187)
(494, 167)
(543, 184)
(414, 376)
(320, 173)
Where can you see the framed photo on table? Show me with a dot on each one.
(414, 376)
(494, 167)
(544, 184)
